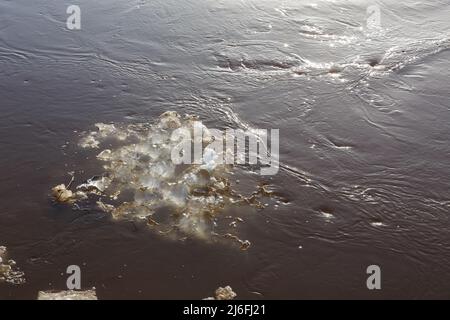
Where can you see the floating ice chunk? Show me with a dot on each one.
(8, 271)
(149, 182)
(223, 294)
(176, 196)
(99, 183)
(89, 141)
(105, 129)
(245, 244)
(105, 155)
(200, 178)
(194, 225)
(143, 196)
(210, 159)
(163, 169)
(148, 150)
(378, 224)
(2, 253)
(93, 139)
(158, 138)
(62, 194)
(105, 207)
(220, 185)
(170, 120)
(142, 171)
(68, 295)
(5, 269)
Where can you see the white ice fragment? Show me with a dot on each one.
(8, 271)
(105, 207)
(194, 225)
(210, 158)
(68, 295)
(89, 141)
(170, 120)
(163, 169)
(142, 197)
(105, 155)
(105, 130)
(143, 169)
(225, 293)
(61, 193)
(2, 251)
(96, 182)
(149, 182)
(176, 196)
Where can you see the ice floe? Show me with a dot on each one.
(9, 272)
(140, 180)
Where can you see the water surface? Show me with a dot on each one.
(364, 127)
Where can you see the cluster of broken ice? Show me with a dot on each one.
(140, 177)
(8, 270)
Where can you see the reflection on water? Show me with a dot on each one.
(364, 144)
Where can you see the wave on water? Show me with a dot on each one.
(363, 64)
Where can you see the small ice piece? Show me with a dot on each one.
(209, 159)
(149, 182)
(142, 197)
(105, 155)
(177, 195)
(61, 193)
(89, 141)
(2, 253)
(201, 178)
(5, 269)
(8, 271)
(162, 169)
(225, 293)
(68, 295)
(96, 182)
(219, 185)
(105, 207)
(105, 130)
(378, 224)
(170, 120)
(158, 139)
(245, 244)
(194, 225)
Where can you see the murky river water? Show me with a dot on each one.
(364, 118)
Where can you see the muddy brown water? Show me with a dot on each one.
(364, 123)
